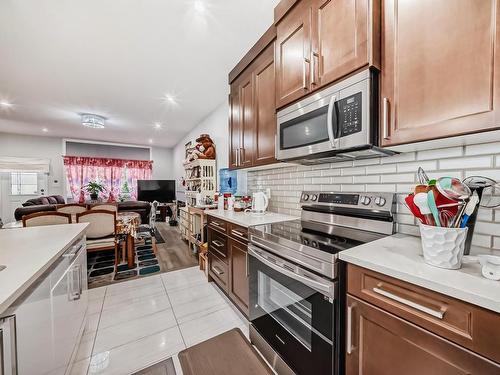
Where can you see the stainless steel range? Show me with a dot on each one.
(296, 280)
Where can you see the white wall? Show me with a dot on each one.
(216, 125)
(51, 148)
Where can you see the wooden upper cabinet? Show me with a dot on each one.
(234, 126)
(252, 114)
(381, 343)
(265, 113)
(293, 54)
(340, 39)
(439, 69)
(247, 121)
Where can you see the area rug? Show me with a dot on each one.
(162, 368)
(101, 270)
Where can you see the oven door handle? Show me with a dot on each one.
(324, 288)
(329, 121)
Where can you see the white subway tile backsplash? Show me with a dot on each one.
(483, 149)
(389, 174)
(440, 154)
(466, 163)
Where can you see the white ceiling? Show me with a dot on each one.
(119, 58)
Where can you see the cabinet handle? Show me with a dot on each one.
(304, 73)
(217, 243)
(238, 233)
(315, 58)
(385, 118)
(236, 162)
(404, 301)
(8, 346)
(216, 223)
(217, 270)
(242, 155)
(246, 265)
(349, 330)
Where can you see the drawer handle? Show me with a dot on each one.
(216, 224)
(238, 233)
(404, 301)
(217, 243)
(217, 270)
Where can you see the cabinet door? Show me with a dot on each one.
(247, 121)
(234, 126)
(340, 39)
(381, 343)
(439, 69)
(293, 46)
(238, 274)
(265, 109)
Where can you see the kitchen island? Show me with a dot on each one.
(43, 297)
(248, 219)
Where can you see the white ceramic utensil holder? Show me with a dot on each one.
(443, 247)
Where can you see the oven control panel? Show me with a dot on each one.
(378, 201)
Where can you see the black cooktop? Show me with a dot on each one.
(308, 234)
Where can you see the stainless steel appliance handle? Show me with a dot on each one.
(329, 122)
(385, 118)
(8, 346)
(349, 330)
(314, 284)
(404, 301)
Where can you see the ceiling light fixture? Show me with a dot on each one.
(150, 141)
(92, 121)
(170, 98)
(199, 6)
(157, 125)
(45, 130)
(5, 103)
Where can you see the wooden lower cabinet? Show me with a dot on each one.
(381, 343)
(228, 261)
(238, 275)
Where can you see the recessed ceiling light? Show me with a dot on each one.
(150, 140)
(5, 103)
(157, 125)
(170, 98)
(92, 121)
(199, 6)
(45, 130)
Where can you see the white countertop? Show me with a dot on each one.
(28, 253)
(400, 256)
(247, 219)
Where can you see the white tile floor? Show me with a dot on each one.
(137, 323)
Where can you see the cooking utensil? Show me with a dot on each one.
(420, 201)
(422, 176)
(431, 202)
(421, 189)
(453, 188)
(469, 209)
(409, 200)
(487, 189)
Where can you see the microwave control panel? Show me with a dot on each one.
(349, 110)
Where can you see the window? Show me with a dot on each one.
(24, 183)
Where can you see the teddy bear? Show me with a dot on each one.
(206, 150)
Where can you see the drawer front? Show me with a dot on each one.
(217, 224)
(238, 232)
(218, 270)
(217, 244)
(465, 324)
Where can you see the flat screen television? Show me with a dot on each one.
(162, 191)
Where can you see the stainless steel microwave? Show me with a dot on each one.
(336, 124)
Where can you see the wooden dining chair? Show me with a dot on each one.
(105, 206)
(46, 218)
(101, 232)
(71, 208)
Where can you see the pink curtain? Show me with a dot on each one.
(112, 173)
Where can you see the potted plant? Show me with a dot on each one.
(94, 188)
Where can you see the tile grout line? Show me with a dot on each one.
(96, 331)
(173, 312)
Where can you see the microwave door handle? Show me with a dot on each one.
(329, 123)
(323, 288)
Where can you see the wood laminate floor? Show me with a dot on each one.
(174, 254)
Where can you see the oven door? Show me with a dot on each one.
(293, 309)
(308, 127)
